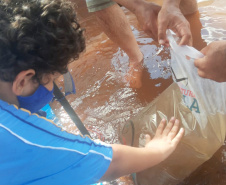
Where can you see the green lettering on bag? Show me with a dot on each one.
(195, 106)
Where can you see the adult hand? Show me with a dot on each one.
(213, 65)
(147, 14)
(170, 17)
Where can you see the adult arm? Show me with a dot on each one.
(117, 28)
(155, 21)
(146, 13)
(213, 65)
(172, 17)
(128, 160)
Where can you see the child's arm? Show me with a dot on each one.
(128, 159)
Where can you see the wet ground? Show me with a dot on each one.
(104, 100)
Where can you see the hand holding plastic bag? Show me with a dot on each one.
(213, 65)
(201, 96)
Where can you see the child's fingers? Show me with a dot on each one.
(178, 137)
(169, 126)
(173, 132)
(147, 138)
(161, 127)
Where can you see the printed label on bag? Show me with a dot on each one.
(190, 100)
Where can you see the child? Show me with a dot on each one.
(38, 38)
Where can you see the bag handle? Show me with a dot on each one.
(184, 50)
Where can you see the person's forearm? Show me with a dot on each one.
(186, 6)
(127, 160)
(133, 4)
(130, 4)
(117, 28)
(172, 2)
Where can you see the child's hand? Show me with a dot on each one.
(155, 151)
(166, 138)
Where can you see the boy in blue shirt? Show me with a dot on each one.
(38, 38)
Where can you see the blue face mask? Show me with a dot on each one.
(36, 101)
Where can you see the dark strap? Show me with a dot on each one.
(60, 96)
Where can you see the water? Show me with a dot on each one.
(104, 101)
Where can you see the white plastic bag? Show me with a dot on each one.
(198, 103)
(202, 96)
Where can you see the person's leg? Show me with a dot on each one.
(114, 23)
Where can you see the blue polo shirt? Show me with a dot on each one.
(35, 151)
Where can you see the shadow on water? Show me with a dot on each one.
(103, 99)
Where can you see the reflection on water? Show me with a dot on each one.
(213, 21)
(104, 101)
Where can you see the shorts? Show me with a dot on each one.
(96, 5)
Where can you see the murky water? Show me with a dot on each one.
(104, 101)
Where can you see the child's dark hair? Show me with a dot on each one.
(43, 35)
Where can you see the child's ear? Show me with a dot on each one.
(22, 81)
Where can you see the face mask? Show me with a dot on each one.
(36, 101)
